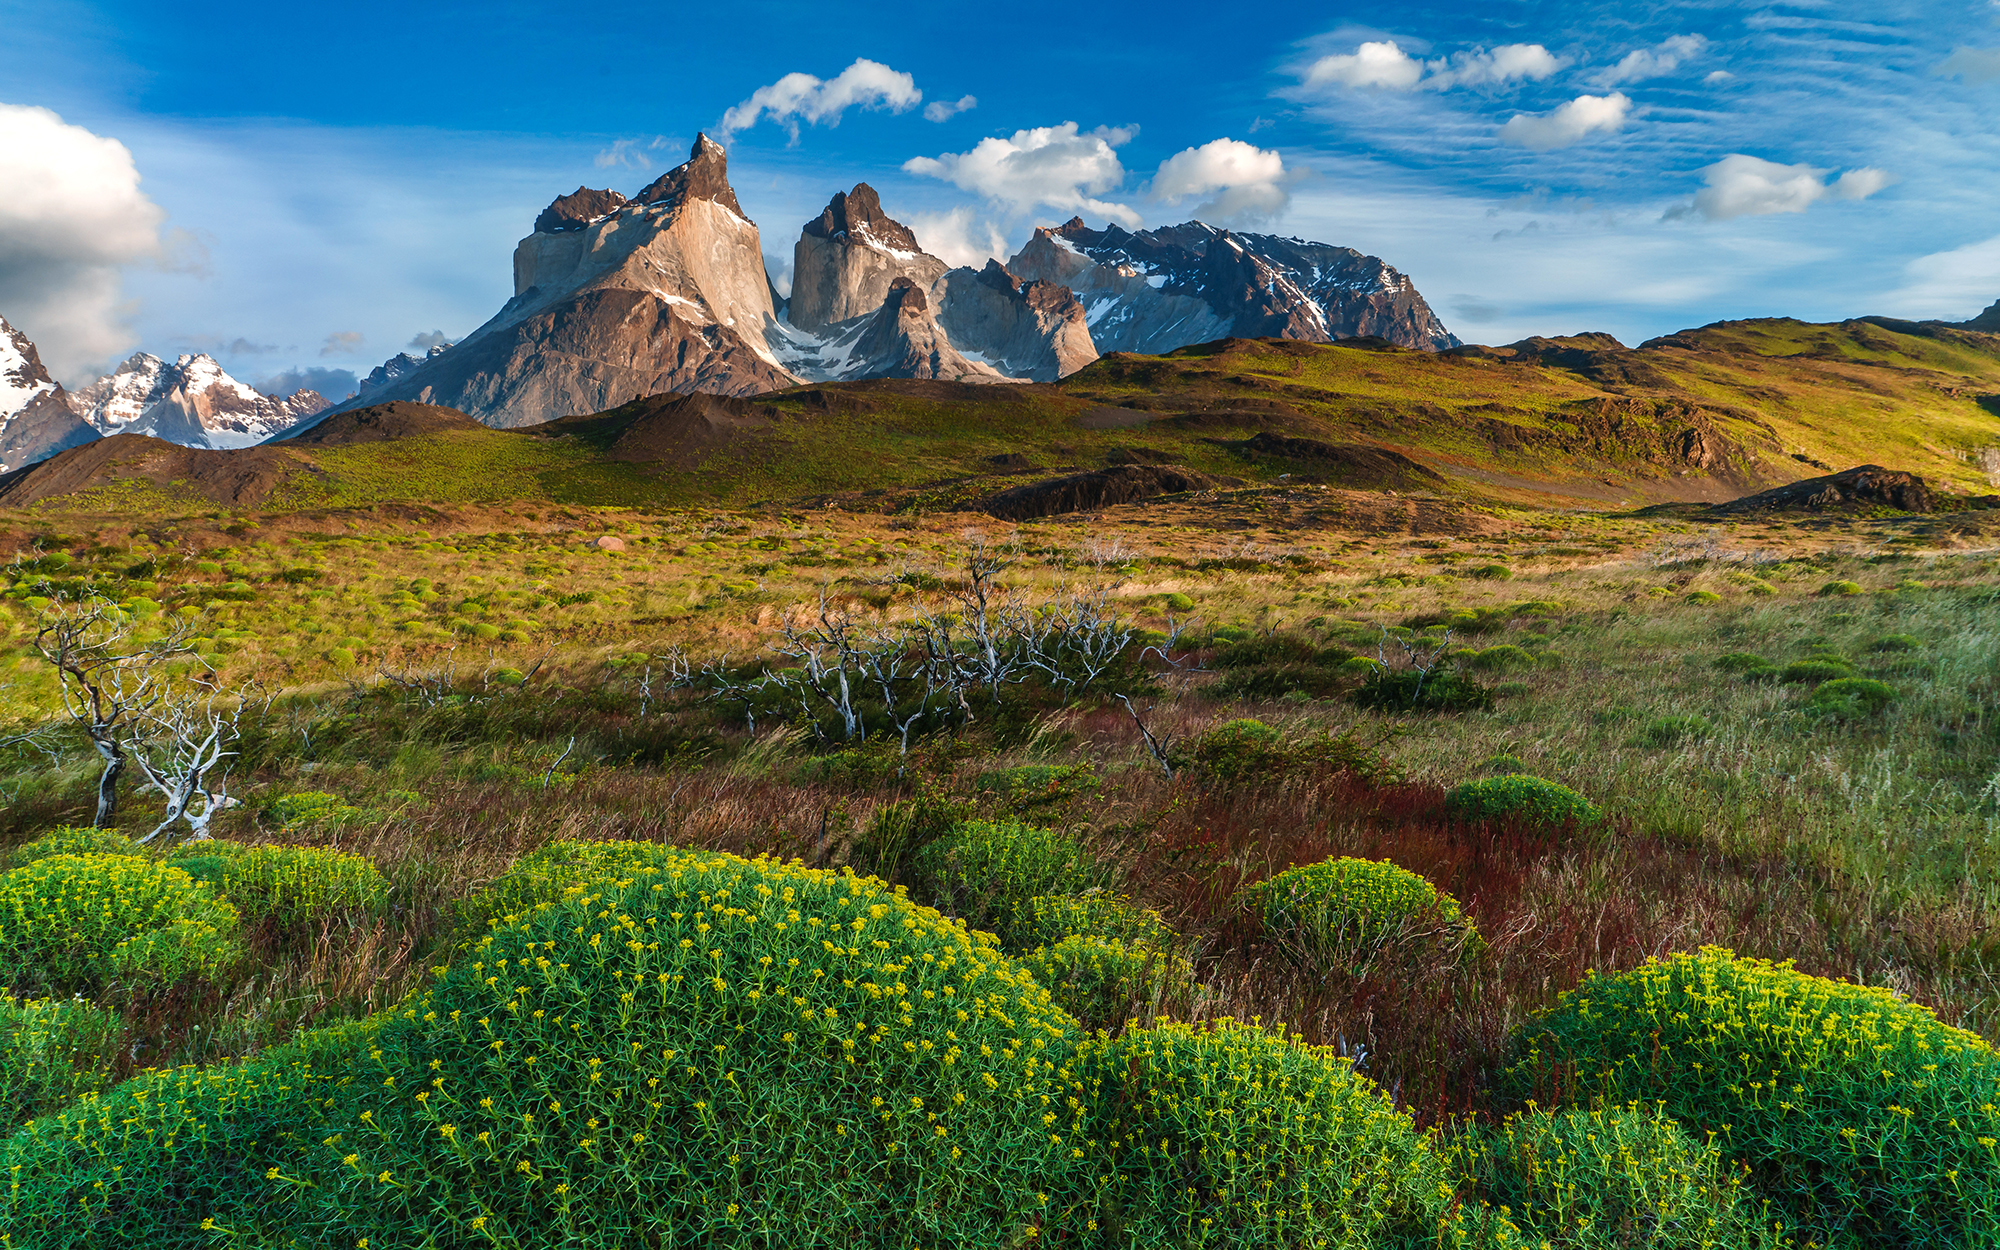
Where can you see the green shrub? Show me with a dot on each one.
(1346, 911)
(989, 872)
(1039, 785)
(1702, 597)
(1816, 670)
(51, 1052)
(1741, 662)
(1505, 658)
(74, 922)
(75, 840)
(309, 807)
(544, 874)
(1177, 602)
(1841, 588)
(1229, 1137)
(1610, 1179)
(1851, 698)
(1521, 797)
(1104, 982)
(1413, 690)
(1245, 750)
(1493, 573)
(717, 1051)
(1363, 666)
(888, 847)
(1095, 914)
(340, 657)
(1502, 764)
(1857, 1112)
(289, 884)
(1896, 642)
(1667, 731)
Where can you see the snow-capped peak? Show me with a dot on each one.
(22, 378)
(193, 402)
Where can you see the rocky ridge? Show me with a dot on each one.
(192, 402)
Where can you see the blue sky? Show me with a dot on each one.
(317, 189)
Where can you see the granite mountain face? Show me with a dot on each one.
(36, 419)
(618, 298)
(192, 402)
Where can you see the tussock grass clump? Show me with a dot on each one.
(1813, 671)
(308, 807)
(1608, 1179)
(75, 922)
(51, 1051)
(1105, 982)
(1741, 662)
(1232, 1136)
(1893, 643)
(1851, 698)
(1667, 731)
(1521, 797)
(989, 872)
(1843, 588)
(1346, 911)
(74, 840)
(1857, 1112)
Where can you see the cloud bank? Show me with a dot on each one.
(1056, 167)
(799, 98)
(71, 215)
(1748, 186)
(1384, 65)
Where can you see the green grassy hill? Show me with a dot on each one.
(1702, 415)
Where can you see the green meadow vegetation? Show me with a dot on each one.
(1278, 866)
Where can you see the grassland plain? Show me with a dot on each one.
(460, 676)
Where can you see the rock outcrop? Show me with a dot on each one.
(901, 339)
(376, 424)
(1155, 290)
(192, 402)
(1033, 330)
(1103, 488)
(846, 258)
(1865, 486)
(36, 418)
(398, 366)
(616, 299)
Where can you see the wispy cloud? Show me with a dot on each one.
(799, 98)
(945, 110)
(342, 343)
(635, 153)
(1385, 65)
(1970, 64)
(1655, 62)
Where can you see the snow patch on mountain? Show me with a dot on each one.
(192, 401)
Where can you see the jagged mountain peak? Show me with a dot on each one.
(703, 176)
(193, 402)
(858, 214)
(37, 419)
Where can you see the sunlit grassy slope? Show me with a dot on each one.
(1706, 414)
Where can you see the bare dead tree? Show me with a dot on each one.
(111, 678)
(180, 743)
(1417, 657)
(1177, 670)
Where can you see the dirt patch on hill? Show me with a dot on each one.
(1865, 486)
(681, 431)
(236, 479)
(1357, 466)
(1102, 488)
(381, 422)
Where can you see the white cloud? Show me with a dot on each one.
(1251, 181)
(945, 110)
(1952, 285)
(343, 343)
(1655, 62)
(71, 214)
(1050, 166)
(1748, 186)
(1567, 123)
(1718, 78)
(1970, 64)
(1504, 64)
(1374, 64)
(434, 338)
(1383, 64)
(801, 97)
(959, 237)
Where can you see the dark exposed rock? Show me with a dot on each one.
(1102, 488)
(578, 209)
(1599, 357)
(860, 211)
(1034, 330)
(239, 478)
(378, 423)
(704, 176)
(1866, 486)
(1987, 322)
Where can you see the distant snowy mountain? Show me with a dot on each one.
(192, 402)
(36, 420)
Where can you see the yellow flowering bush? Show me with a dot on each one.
(989, 872)
(1858, 1113)
(1105, 982)
(74, 840)
(1349, 910)
(712, 1050)
(73, 922)
(288, 884)
(1231, 1135)
(1098, 913)
(51, 1051)
(1614, 1178)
